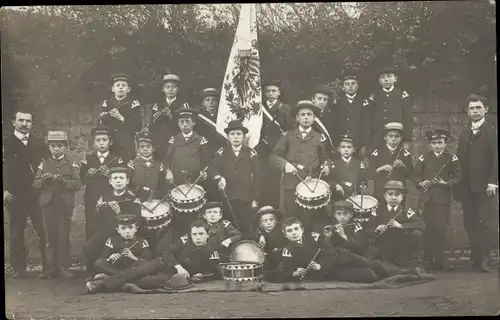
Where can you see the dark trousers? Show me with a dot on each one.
(146, 275)
(270, 192)
(478, 210)
(436, 217)
(57, 226)
(94, 246)
(243, 213)
(90, 214)
(19, 210)
(401, 247)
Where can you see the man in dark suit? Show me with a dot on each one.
(478, 155)
(22, 154)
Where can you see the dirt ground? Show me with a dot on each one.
(454, 293)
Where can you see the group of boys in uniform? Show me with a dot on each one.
(141, 153)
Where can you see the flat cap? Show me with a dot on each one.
(349, 74)
(269, 209)
(144, 136)
(171, 77)
(100, 130)
(57, 136)
(118, 169)
(211, 205)
(235, 125)
(119, 77)
(386, 70)
(437, 134)
(273, 82)
(210, 92)
(343, 204)
(393, 184)
(394, 126)
(185, 112)
(347, 138)
(125, 218)
(305, 104)
(322, 89)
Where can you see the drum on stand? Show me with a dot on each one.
(363, 208)
(184, 201)
(156, 214)
(246, 263)
(313, 194)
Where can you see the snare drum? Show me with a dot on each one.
(190, 202)
(242, 272)
(158, 217)
(247, 251)
(364, 209)
(319, 198)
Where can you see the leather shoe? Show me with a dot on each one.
(93, 286)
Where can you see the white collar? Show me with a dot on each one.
(302, 130)
(170, 101)
(237, 149)
(105, 154)
(20, 135)
(187, 135)
(121, 98)
(438, 154)
(350, 97)
(271, 103)
(390, 148)
(478, 124)
(147, 159)
(389, 207)
(346, 160)
(119, 194)
(300, 241)
(60, 158)
(388, 90)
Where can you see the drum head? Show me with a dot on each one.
(319, 190)
(247, 251)
(195, 193)
(369, 203)
(160, 209)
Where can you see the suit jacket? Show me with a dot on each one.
(408, 218)
(21, 162)
(352, 118)
(65, 190)
(116, 244)
(223, 230)
(147, 178)
(428, 166)
(327, 118)
(348, 175)
(307, 154)
(478, 157)
(356, 239)
(242, 172)
(270, 132)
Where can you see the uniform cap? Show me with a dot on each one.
(184, 113)
(119, 77)
(394, 126)
(343, 204)
(210, 92)
(125, 218)
(100, 130)
(235, 125)
(273, 82)
(118, 169)
(171, 77)
(347, 138)
(322, 89)
(144, 136)
(386, 70)
(305, 104)
(392, 184)
(349, 74)
(57, 136)
(211, 205)
(269, 209)
(437, 134)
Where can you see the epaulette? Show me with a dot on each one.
(374, 212)
(135, 103)
(371, 97)
(130, 193)
(225, 223)
(84, 160)
(220, 151)
(333, 165)
(214, 256)
(137, 200)
(286, 253)
(315, 236)
(406, 153)
(410, 213)
(421, 158)
(41, 165)
(155, 107)
(404, 95)
(145, 243)
(75, 165)
(454, 158)
(334, 101)
(109, 244)
(253, 153)
(162, 168)
(203, 140)
(357, 227)
(361, 165)
(104, 104)
(120, 160)
(130, 164)
(323, 138)
(284, 133)
(184, 239)
(365, 103)
(375, 153)
(172, 139)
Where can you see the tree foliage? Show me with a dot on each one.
(58, 58)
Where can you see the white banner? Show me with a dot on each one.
(241, 94)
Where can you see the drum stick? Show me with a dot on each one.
(317, 181)
(298, 176)
(354, 202)
(317, 252)
(177, 187)
(230, 208)
(199, 177)
(147, 208)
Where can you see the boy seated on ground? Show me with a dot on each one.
(269, 236)
(220, 232)
(123, 250)
(193, 256)
(396, 232)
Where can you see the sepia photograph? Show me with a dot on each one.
(253, 160)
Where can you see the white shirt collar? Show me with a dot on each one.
(350, 97)
(346, 160)
(105, 154)
(20, 135)
(438, 154)
(60, 158)
(302, 130)
(389, 207)
(478, 124)
(271, 103)
(119, 194)
(121, 98)
(186, 136)
(390, 148)
(170, 101)
(147, 159)
(388, 90)
(237, 149)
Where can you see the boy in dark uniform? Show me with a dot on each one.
(236, 168)
(209, 103)
(94, 174)
(187, 152)
(277, 119)
(391, 161)
(269, 236)
(119, 200)
(390, 104)
(308, 256)
(435, 172)
(148, 175)
(396, 232)
(348, 172)
(160, 116)
(477, 189)
(303, 152)
(122, 116)
(221, 232)
(352, 113)
(57, 176)
(325, 119)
